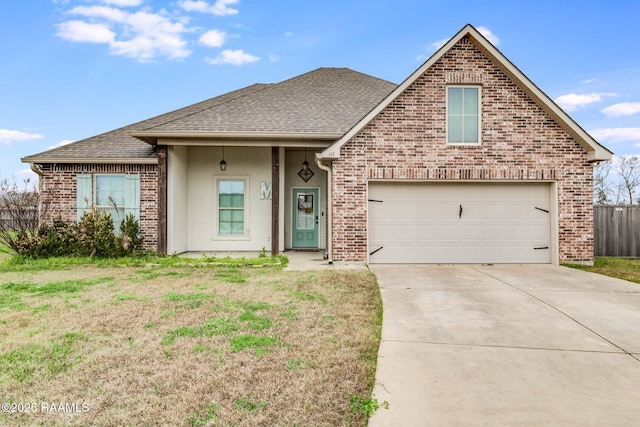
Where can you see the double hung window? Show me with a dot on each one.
(231, 207)
(463, 115)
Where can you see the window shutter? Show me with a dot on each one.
(84, 196)
(132, 195)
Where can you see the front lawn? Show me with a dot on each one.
(621, 268)
(186, 343)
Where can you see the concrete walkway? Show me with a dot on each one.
(533, 345)
(299, 260)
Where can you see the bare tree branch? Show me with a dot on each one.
(629, 170)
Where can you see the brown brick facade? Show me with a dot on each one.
(407, 141)
(58, 185)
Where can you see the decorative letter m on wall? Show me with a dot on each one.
(265, 191)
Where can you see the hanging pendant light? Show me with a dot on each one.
(223, 164)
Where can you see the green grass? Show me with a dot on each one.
(245, 404)
(259, 343)
(621, 268)
(204, 416)
(52, 359)
(222, 349)
(12, 293)
(172, 296)
(231, 275)
(21, 263)
(66, 286)
(295, 364)
(255, 323)
(151, 274)
(124, 297)
(219, 326)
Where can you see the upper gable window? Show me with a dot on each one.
(463, 114)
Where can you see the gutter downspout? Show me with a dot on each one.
(329, 170)
(37, 169)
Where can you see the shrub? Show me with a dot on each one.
(96, 235)
(129, 239)
(59, 239)
(92, 236)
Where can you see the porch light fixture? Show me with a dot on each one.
(223, 164)
(305, 173)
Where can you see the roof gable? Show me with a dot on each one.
(595, 151)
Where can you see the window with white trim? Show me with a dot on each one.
(116, 194)
(463, 114)
(231, 197)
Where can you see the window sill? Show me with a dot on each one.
(231, 238)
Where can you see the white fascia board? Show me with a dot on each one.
(244, 143)
(90, 160)
(325, 136)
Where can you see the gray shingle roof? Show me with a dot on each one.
(119, 144)
(326, 100)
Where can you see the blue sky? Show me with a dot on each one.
(70, 69)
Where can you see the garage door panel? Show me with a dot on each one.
(423, 223)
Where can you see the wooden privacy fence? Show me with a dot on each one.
(617, 230)
(8, 221)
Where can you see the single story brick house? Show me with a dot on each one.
(466, 161)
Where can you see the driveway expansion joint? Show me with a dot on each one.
(559, 311)
(515, 347)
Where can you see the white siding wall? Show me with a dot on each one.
(252, 164)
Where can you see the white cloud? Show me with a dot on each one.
(123, 3)
(622, 109)
(573, 101)
(61, 143)
(8, 136)
(143, 35)
(616, 134)
(219, 8)
(80, 31)
(437, 45)
(105, 12)
(213, 38)
(234, 57)
(489, 35)
(288, 34)
(587, 81)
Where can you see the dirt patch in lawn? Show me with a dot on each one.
(187, 346)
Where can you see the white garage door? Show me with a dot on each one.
(459, 223)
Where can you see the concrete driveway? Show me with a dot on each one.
(507, 345)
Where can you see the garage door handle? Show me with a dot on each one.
(460, 213)
(541, 247)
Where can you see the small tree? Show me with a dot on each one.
(21, 212)
(629, 170)
(602, 187)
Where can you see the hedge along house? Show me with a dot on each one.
(465, 161)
